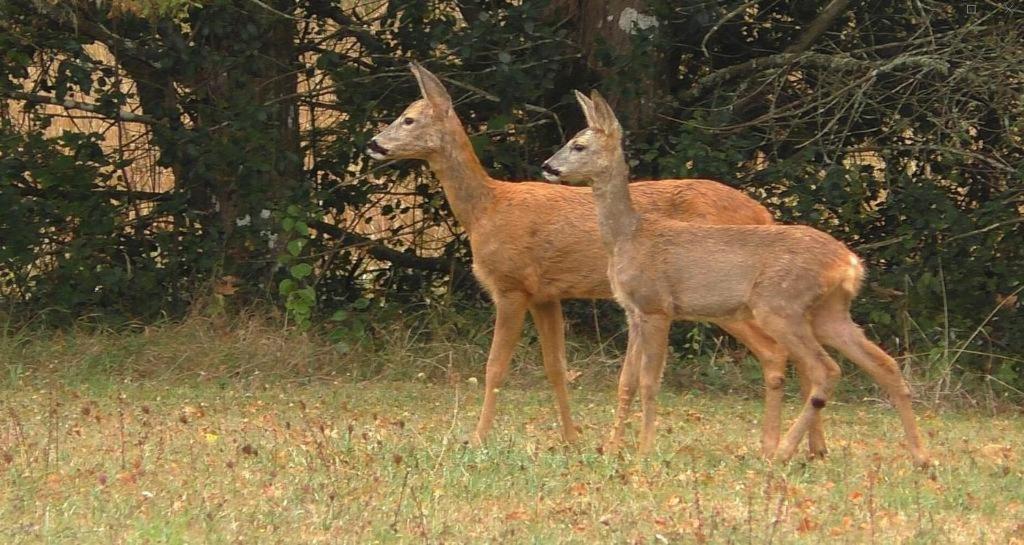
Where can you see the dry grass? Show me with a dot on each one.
(210, 432)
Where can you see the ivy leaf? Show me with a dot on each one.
(301, 270)
(361, 303)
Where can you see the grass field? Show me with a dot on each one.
(94, 450)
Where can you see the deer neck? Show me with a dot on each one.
(616, 217)
(466, 185)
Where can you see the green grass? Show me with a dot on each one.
(194, 434)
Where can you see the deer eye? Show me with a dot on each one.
(408, 121)
(578, 147)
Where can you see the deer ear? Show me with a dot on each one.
(432, 89)
(606, 119)
(588, 109)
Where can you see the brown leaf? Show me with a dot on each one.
(518, 514)
(1007, 301)
(128, 477)
(806, 525)
(226, 285)
(997, 453)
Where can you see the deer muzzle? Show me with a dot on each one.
(375, 150)
(551, 173)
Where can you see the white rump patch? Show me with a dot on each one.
(632, 21)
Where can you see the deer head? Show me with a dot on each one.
(592, 152)
(421, 129)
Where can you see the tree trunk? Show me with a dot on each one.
(617, 39)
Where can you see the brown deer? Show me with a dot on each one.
(535, 244)
(796, 283)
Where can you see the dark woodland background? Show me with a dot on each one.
(156, 155)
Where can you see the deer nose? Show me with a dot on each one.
(550, 169)
(375, 149)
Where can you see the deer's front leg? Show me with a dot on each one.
(653, 333)
(547, 317)
(508, 327)
(629, 381)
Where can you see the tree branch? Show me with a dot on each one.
(378, 250)
(818, 26)
(325, 8)
(838, 62)
(123, 115)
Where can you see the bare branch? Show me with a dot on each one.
(123, 115)
(722, 21)
(986, 229)
(818, 26)
(378, 250)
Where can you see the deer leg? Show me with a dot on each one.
(653, 338)
(773, 364)
(820, 370)
(629, 380)
(835, 328)
(547, 317)
(822, 375)
(508, 327)
(815, 432)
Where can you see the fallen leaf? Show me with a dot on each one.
(513, 516)
(1007, 301)
(805, 525)
(997, 453)
(226, 285)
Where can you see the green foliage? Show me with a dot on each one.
(298, 288)
(908, 149)
(66, 235)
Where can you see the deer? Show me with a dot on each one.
(534, 244)
(793, 282)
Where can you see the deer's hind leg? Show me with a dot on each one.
(819, 370)
(772, 357)
(548, 319)
(508, 328)
(834, 327)
(816, 431)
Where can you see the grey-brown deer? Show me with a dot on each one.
(796, 283)
(535, 244)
